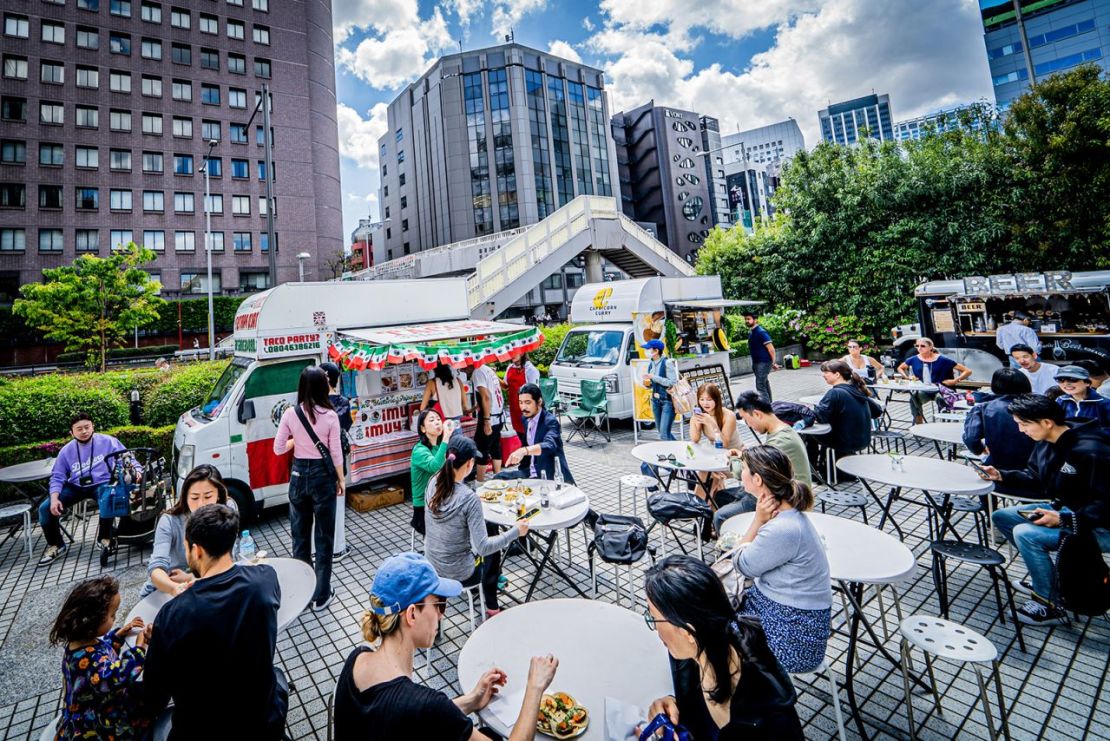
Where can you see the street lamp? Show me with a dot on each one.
(301, 257)
(208, 249)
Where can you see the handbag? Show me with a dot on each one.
(733, 581)
(682, 396)
(322, 449)
(113, 497)
(671, 732)
(665, 506)
(619, 539)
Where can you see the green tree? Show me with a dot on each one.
(92, 304)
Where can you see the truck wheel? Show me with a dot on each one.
(244, 500)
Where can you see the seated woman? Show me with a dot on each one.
(168, 569)
(929, 366)
(375, 696)
(792, 594)
(727, 683)
(1080, 400)
(713, 421)
(456, 530)
(847, 408)
(427, 458)
(864, 366)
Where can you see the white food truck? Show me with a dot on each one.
(619, 316)
(386, 336)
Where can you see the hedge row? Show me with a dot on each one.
(132, 436)
(122, 352)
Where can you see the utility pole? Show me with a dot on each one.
(269, 147)
(1026, 52)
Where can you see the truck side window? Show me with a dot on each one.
(632, 354)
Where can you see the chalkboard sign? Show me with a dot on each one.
(710, 374)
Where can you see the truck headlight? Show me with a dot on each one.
(185, 458)
(612, 383)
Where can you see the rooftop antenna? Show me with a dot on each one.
(460, 46)
(510, 36)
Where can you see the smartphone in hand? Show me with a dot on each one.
(1030, 514)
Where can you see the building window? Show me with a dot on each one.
(198, 282)
(87, 157)
(151, 12)
(210, 130)
(182, 90)
(404, 201)
(236, 98)
(17, 25)
(52, 73)
(253, 280)
(152, 162)
(13, 109)
(260, 133)
(401, 180)
(119, 200)
(240, 168)
(119, 120)
(53, 33)
(87, 117)
(119, 82)
(236, 30)
(183, 203)
(88, 77)
(236, 64)
(51, 155)
(151, 49)
(215, 167)
(15, 68)
(216, 204)
(88, 38)
(179, 18)
(122, 8)
(183, 127)
(155, 239)
(120, 238)
(241, 205)
(119, 43)
(184, 242)
(51, 113)
(13, 195)
(50, 240)
(15, 240)
(262, 171)
(208, 23)
(216, 241)
(262, 210)
(241, 241)
(209, 59)
(598, 146)
(238, 133)
(404, 225)
(182, 54)
(87, 240)
(93, 5)
(154, 201)
(183, 164)
(50, 196)
(152, 124)
(13, 152)
(263, 5)
(152, 86)
(88, 199)
(505, 167)
(120, 159)
(210, 94)
(264, 241)
(262, 68)
(261, 35)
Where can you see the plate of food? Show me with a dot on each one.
(561, 716)
(520, 491)
(489, 495)
(496, 485)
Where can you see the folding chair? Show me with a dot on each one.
(552, 402)
(593, 403)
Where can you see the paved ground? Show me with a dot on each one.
(1053, 689)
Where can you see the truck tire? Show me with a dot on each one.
(244, 500)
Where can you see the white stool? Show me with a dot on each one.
(22, 510)
(948, 640)
(834, 692)
(636, 482)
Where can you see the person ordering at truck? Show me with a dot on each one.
(1016, 332)
(78, 472)
(310, 429)
(661, 375)
(342, 407)
(1042, 376)
(446, 387)
(929, 366)
(1080, 401)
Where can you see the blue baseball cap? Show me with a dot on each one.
(405, 580)
(654, 345)
(1073, 373)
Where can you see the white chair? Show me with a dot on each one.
(636, 482)
(21, 510)
(331, 711)
(826, 672)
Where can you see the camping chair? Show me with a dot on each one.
(549, 387)
(592, 404)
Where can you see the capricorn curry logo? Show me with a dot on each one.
(602, 297)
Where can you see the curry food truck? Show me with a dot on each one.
(1069, 311)
(617, 317)
(386, 337)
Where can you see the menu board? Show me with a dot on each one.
(710, 374)
(942, 320)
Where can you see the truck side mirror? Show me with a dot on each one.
(246, 412)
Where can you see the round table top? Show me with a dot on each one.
(811, 400)
(928, 474)
(22, 473)
(603, 651)
(906, 387)
(548, 519)
(14, 510)
(857, 553)
(817, 428)
(296, 578)
(704, 458)
(945, 432)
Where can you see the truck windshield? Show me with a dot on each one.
(217, 397)
(599, 347)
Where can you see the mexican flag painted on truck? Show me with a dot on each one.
(273, 389)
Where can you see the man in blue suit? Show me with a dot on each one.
(543, 440)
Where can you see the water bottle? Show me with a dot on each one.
(799, 425)
(926, 373)
(558, 476)
(247, 549)
(717, 442)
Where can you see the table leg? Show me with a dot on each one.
(549, 539)
(943, 515)
(895, 493)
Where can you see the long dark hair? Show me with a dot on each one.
(84, 610)
(312, 391)
(714, 393)
(690, 596)
(460, 451)
(444, 374)
(777, 473)
(844, 370)
(420, 427)
(203, 472)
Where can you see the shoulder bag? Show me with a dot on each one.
(662, 724)
(113, 498)
(321, 448)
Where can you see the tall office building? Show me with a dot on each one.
(662, 176)
(1036, 38)
(714, 159)
(938, 122)
(777, 142)
(491, 140)
(108, 108)
(853, 120)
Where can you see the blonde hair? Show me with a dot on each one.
(376, 627)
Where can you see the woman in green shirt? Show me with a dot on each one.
(427, 458)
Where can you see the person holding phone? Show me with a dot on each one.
(1070, 468)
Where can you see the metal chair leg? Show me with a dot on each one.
(986, 702)
(1003, 719)
(933, 684)
(1013, 610)
(904, 648)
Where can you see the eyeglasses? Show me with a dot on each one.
(652, 621)
(665, 457)
(922, 345)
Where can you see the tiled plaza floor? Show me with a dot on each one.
(1053, 691)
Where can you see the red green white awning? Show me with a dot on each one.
(356, 354)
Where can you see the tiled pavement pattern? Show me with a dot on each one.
(1053, 690)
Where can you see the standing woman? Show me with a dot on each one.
(864, 366)
(446, 387)
(316, 480)
(712, 420)
(661, 375)
(427, 458)
(520, 372)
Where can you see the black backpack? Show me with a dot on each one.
(1081, 574)
(618, 538)
(791, 412)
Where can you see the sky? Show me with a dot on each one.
(745, 62)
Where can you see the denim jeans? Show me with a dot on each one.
(762, 373)
(312, 503)
(69, 495)
(663, 411)
(1035, 543)
(918, 400)
(745, 502)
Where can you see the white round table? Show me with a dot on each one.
(296, 578)
(817, 428)
(603, 651)
(906, 387)
(700, 460)
(945, 432)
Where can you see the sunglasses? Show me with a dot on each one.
(665, 457)
(440, 605)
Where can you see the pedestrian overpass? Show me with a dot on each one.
(501, 268)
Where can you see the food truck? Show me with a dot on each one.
(619, 316)
(1069, 311)
(386, 337)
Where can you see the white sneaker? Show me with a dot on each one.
(51, 553)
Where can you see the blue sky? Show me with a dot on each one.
(746, 62)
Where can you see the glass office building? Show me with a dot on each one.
(853, 120)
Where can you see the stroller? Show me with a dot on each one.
(133, 502)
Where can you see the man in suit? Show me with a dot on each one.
(543, 440)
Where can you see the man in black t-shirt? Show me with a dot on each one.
(212, 646)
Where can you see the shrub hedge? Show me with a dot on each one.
(553, 335)
(122, 352)
(182, 390)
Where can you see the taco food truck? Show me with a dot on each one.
(386, 337)
(1069, 311)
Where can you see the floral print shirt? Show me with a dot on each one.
(101, 696)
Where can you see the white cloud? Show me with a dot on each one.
(587, 23)
(400, 54)
(507, 13)
(358, 136)
(465, 10)
(561, 48)
(349, 15)
(733, 18)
